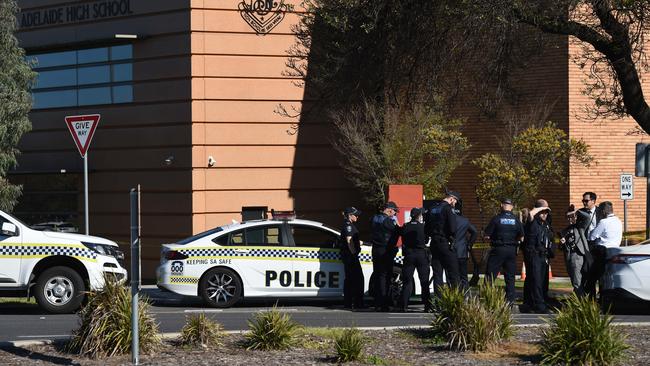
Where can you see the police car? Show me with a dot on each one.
(56, 268)
(264, 258)
(627, 274)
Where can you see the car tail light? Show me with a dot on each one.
(172, 254)
(628, 258)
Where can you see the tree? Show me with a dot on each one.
(537, 156)
(613, 33)
(16, 78)
(380, 146)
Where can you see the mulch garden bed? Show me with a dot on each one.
(383, 347)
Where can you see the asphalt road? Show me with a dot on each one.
(26, 322)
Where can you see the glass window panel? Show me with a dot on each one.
(122, 94)
(92, 55)
(90, 96)
(122, 72)
(56, 78)
(53, 99)
(55, 59)
(306, 236)
(122, 52)
(94, 75)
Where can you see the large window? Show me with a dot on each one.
(83, 77)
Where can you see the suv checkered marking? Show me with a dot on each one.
(45, 250)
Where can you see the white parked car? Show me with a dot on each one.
(56, 268)
(627, 274)
(262, 258)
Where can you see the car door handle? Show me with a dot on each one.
(301, 254)
(242, 251)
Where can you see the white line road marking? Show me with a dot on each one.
(203, 311)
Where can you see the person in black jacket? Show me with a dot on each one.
(350, 248)
(464, 245)
(415, 257)
(384, 236)
(538, 240)
(440, 227)
(504, 232)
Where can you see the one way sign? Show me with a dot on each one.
(627, 187)
(82, 129)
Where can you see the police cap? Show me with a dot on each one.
(351, 211)
(391, 205)
(506, 201)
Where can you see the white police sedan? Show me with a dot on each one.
(627, 274)
(261, 258)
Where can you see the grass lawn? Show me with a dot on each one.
(552, 284)
(17, 300)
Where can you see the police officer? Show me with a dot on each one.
(440, 227)
(350, 248)
(415, 257)
(384, 235)
(504, 232)
(539, 236)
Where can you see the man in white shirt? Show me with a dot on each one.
(589, 202)
(607, 234)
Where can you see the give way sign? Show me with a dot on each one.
(82, 129)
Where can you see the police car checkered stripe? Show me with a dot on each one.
(276, 253)
(183, 280)
(46, 250)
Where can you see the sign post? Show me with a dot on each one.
(135, 273)
(627, 194)
(82, 129)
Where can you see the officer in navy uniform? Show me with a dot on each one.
(440, 227)
(415, 258)
(350, 248)
(504, 232)
(384, 235)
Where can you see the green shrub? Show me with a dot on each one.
(475, 323)
(446, 306)
(105, 324)
(349, 345)
(579, 334)
(271, 330)
(493, 299)
(199, 330)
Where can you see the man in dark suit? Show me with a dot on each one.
(465, 237)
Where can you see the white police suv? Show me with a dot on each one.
(263, 258)
(56, 268)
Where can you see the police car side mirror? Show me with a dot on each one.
(9, 229)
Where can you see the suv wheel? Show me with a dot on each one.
(59, 290)
(221, 288)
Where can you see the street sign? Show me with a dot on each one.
(627, 187)
(82, 129)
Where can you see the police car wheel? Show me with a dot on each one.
(59, 290)
(221, 288)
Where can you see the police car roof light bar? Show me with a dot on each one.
(283, 215)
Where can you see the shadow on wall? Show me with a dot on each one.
(318, 185)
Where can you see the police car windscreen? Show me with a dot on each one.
(199, 236)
